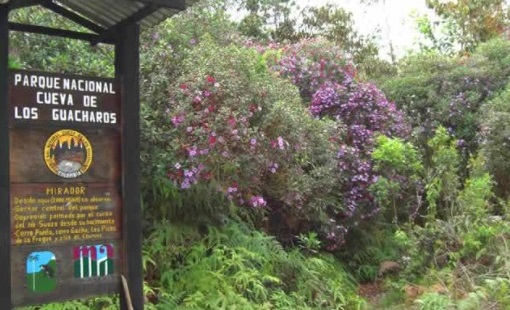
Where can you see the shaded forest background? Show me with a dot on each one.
(287, 166)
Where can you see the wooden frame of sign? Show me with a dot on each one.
(70, 207)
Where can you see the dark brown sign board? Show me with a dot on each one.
(65, 186)
(70, 208)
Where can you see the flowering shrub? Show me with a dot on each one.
(236, 126)
(311, 63)
(327, 83)
(240, 128)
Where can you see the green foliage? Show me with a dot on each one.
(465, 23)
(436, 90)
(466, 246)
(434, 301)
(495, 133)
(236, 267)
(310, 242)
(442, 180)
(99, 303)
(268, 19)
(367, 246)
(400, 170)
(36, 52)
(474, 199)
(397, 156)
(14, 63)
(337, 25)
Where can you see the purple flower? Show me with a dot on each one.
(257, 202)
(192, 151)
(231, 190)
(273, 167)
(177, 120)
(185, 184)
(280, 143)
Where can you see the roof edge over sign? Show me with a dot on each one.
(178, 5)
(103, 17)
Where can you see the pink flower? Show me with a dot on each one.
(210, 79)
(192, 151)
(257, 202)
(232, 121)
(177, 120)
(280, 143)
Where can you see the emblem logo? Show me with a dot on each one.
(68, 154)
(93, 261)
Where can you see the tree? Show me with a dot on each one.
(33, 259)
(464, 23)
(337, 25)
(35, 52)
(268, 19)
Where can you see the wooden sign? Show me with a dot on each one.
(65, 187)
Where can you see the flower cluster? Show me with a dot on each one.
(310, 64)
(328, 82)
(257, 202)
(224, 139)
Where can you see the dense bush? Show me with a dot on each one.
(435, 90)
(235, 127)
(329, 88)
(495, 137)
(400, 178)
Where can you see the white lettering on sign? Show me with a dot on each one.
(83, 116)
(90, 101)
(25, 113)
(54, 98)
(88, 86)
(64, 99)
(56, 83)
(35, 81)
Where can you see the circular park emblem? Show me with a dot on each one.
(68, 153)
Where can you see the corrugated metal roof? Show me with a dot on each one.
(108, 13)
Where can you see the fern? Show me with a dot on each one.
(236, 267)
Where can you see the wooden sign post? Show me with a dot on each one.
(65, 186)
(5, 211)
(70, 208)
